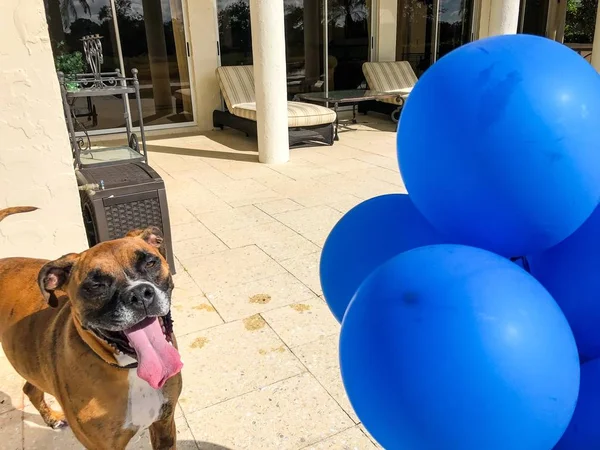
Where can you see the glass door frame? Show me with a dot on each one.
(194, 122)
(373, 50)
(476, 19)
(325, 8)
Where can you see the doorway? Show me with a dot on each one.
(429, 29)
(149, 35)
(571, 22)
(347, 30)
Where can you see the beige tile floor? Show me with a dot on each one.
(258, 341)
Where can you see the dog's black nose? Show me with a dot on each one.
(143, 294)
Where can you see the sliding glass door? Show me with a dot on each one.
(148, 35)
(349, 35)
(69, 21)
(572, 22)
(455, 25)
(347, 31)
(429, 29)
(415, 33)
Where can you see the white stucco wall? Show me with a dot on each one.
(35, 159)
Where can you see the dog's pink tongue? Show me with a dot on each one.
(157, 359)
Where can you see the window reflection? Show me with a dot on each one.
(152, 40)
(416, 33)
(349, 31)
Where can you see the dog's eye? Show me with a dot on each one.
(95, 286)
(150, 264)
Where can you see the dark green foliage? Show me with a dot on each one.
(69, 63)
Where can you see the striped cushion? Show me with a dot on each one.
(392, 76)
(236, 84)
(299, 114)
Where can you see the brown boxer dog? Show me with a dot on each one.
(94, 330)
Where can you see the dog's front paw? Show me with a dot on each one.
(58, 424)
(54, 419)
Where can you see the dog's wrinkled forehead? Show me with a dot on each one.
(120, 258)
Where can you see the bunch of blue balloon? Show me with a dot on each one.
(446, 343)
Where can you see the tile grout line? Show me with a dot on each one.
(331, 436)
(266, 311)
(189, 427)
(309, 371)
(202, 291)
(258, 389)
(241, 319)
(212, 327)
(320, 247)
(204, 225)
(238, 248)
(231, 179)
(287, 271)
(282, 212)
(9, 410)
(23, 428)
(371, 439)
(306, 370)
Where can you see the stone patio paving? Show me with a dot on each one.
(258, 341)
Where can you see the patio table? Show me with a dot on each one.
(347, 97)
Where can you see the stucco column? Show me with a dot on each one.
(504, 17)
(268, 47)
(596, 43)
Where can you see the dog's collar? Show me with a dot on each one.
(101, 348)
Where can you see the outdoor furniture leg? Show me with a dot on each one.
(89, 106)
(136, 85)
(396, 113)
(67, 110)
(354, 113)
(337, 121)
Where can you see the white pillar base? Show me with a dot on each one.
(270, 80)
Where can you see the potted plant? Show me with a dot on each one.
(71, 64)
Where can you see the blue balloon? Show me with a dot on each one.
(450, 347)
(366, 237)
(498, 143)
(571, 273)
(583, 432)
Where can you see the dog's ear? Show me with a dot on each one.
(152, 235)
(54, 275)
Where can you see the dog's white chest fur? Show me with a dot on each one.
(144, 404)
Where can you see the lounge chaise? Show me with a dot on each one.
(307, 123)
(393, 76)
